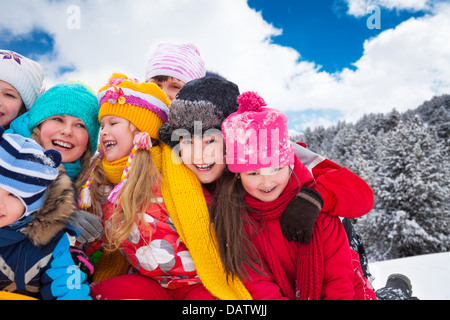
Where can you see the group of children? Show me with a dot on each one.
(176, 187)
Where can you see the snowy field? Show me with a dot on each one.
(429, 274)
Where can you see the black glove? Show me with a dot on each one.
(300, 215)
(89, 224)
(82, 261)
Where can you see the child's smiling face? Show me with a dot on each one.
(204, 156)
(10, 103)
(116, 137)
(266, 184)
(66, 134)
(11, 208)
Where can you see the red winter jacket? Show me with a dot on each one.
(338, 272)
(154, 247)
(344, 194)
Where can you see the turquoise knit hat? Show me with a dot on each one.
(72, 99)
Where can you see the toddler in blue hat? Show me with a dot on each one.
(36, 200)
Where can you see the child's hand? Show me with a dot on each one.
(88, 224)
(82, 261)
(300, 215)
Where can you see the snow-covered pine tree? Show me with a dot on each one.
(343, 146)
(440, 121)
(411, 214)
(363, 162)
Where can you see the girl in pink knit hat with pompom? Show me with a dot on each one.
(264, 176)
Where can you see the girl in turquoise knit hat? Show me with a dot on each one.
(64, 118)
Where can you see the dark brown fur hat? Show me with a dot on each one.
(201, 105)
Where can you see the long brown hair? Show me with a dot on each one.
(228, 216)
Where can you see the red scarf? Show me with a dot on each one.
(310, 269)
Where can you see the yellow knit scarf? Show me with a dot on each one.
(184, 199)
(114, 169)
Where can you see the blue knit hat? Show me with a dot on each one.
(26, 169)
(72, 99)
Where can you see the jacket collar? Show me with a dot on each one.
(10, 237)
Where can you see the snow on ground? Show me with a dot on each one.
(429, 274)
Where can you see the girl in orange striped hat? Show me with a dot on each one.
(124, 188)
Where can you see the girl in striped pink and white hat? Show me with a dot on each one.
(171, 66)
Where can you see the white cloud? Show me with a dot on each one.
(120, 35)
(359, 8)
(400, 68)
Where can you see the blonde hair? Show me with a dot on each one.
(134, 197)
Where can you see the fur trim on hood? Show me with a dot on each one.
(52, 217)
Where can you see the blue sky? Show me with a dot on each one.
(34, 43)
(322, 31)
(316, 60)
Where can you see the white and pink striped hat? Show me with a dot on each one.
(181, 61)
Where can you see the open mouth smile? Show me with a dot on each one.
(268, 190)
(62, 144)
(204, 167)
(109, 144)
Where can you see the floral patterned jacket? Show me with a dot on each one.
(155, 249)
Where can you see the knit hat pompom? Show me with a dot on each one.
(54, 158)
(250, 101)
(117, 78)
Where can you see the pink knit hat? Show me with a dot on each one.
(179, 61)
(256, 137)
